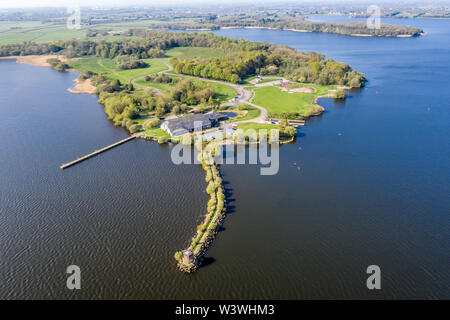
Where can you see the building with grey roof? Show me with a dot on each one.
(185, 124)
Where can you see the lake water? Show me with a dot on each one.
(373, 188)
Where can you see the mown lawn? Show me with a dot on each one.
(277, 101)
(194, 52)
(20, 31)
(250, 78)
(107, 66)
(257, 126)
(223, 92)
(163, 87)
(252, 113)
(157, 132)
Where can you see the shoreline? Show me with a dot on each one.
(304, 31)
(37, 60)
(80, 87)
(83, 86)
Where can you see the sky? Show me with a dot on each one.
(116, 3)
(106, 3)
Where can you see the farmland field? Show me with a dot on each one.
(107, 66)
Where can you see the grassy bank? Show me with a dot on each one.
(244, 112)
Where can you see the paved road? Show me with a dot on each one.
(262, 117)
(243, 96)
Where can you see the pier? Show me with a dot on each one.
(293, 122)
(90, 155)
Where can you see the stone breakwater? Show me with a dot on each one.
(206, 231)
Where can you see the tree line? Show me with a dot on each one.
(129, 62)
(244, 58)
(146, 44)
(275, 60)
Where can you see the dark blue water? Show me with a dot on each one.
(118, 216)
(372, 188)
(374, 181)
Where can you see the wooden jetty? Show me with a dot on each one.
(293, 122)
(297, 123)
(90, 155)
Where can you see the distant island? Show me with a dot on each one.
(297, 24)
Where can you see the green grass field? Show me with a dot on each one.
(267, 80)
(277, 101)
(194, 52)
(257, 126)
(251, 113)
(107, 66)
(157, 132)
(163, 87)
(18, 32)
(223, 92)
(246, 80)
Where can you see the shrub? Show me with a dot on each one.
(62, 67)
(219, 206)
(211, 204)
(133, 128)
(211, 188)
(220, 194)
(357, 82)
(339, 94)
(163, 140)
(290, 131)
(53, 62)
(156, 53)
(154, 123)
(129, 62)
(178, 255)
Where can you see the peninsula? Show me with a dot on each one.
(152, 83)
